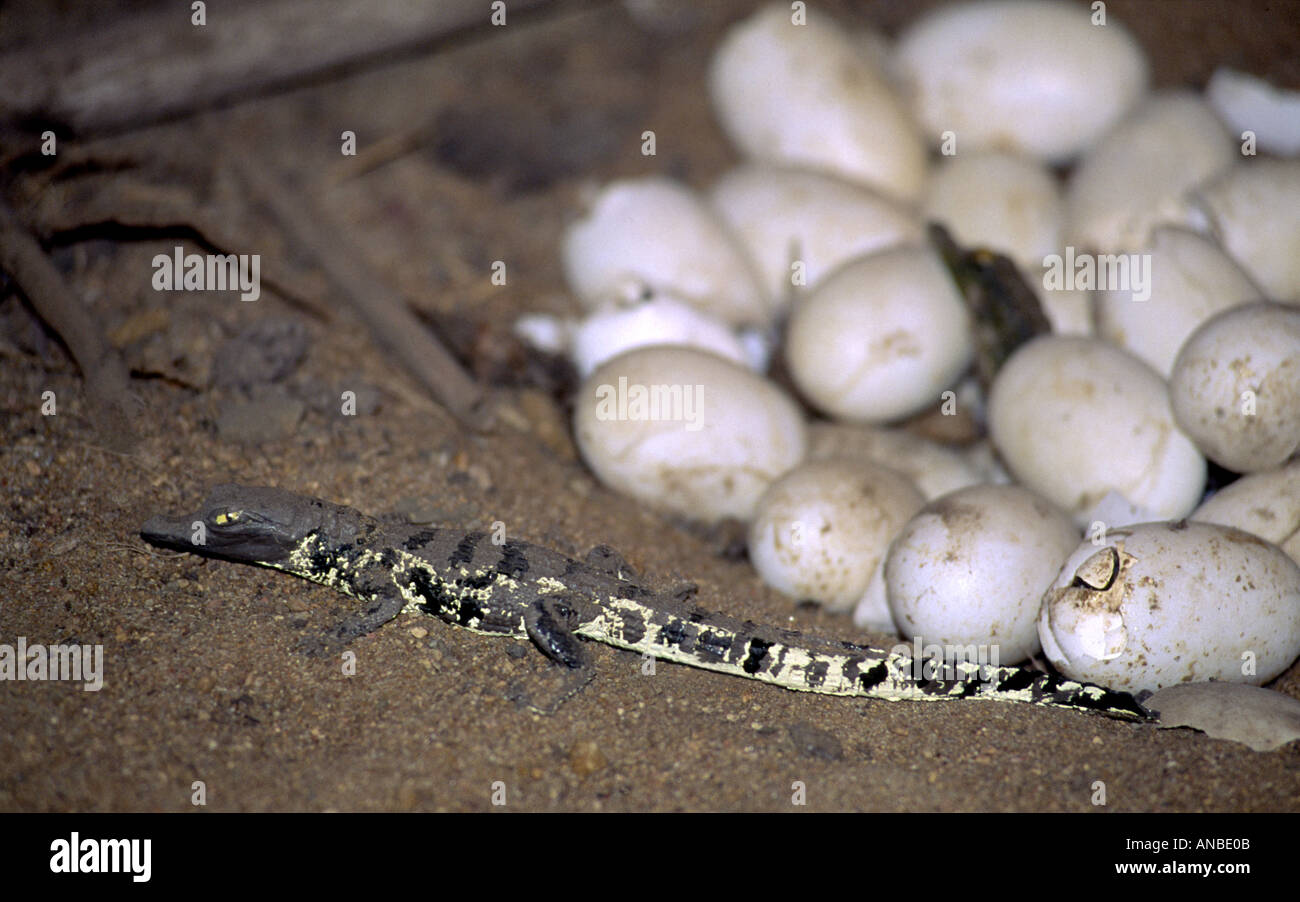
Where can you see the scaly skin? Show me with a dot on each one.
(522, 590)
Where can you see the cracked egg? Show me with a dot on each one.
(1158, 604)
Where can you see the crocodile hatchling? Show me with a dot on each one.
(522, 590)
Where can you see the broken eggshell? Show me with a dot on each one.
(1157, 604)
(820, 531)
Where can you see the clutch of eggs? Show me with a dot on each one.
(812, 252)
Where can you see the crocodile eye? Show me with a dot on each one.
(226, 517)
(1098, 572)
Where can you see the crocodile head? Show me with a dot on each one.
(251, 524)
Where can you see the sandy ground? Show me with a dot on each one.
(201, 680)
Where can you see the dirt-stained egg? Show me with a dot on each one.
(1157, 604)
(1236, 386)
(1076, 419)
(881, 338)
(971, 567)
(820, 531)
(687, 432)
(1266, 503)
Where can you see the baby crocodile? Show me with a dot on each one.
(522, 590)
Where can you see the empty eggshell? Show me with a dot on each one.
(1001, 201)
(1236, 386)
(1185, 278)
(790, 216)
(972, 566)
(933, 468)
(805, 94)
(1036, 78)
(1251, 208)
(1141, 173)
(820, 531)
(1260, 718)
(1175, 602)
(617, 327)
(881, 337)
(687, 432)
(1075, 419)
(653, 234)
(1266, 503)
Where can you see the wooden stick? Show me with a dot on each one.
(158, 65)
(394, 327)
(106, 377)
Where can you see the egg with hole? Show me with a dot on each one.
(1156, 604)
(820, 531)
(686, 432)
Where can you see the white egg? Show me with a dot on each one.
(617, 327)
(1236, 386)
(799, 225)
(1252, 209)
(1246, 103)
(1000, 201)
(972, 566)
(881, 337)
(1165, 603)
(820, 531)
(1185, 278)
(807, 95)
(1035, 78)
(1140, 174)
(1075, 419)
(687, 432)
(653, 234)
(1070, 311)
(1266, 503)
(933, 468)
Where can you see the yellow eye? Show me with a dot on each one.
(230, 517)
